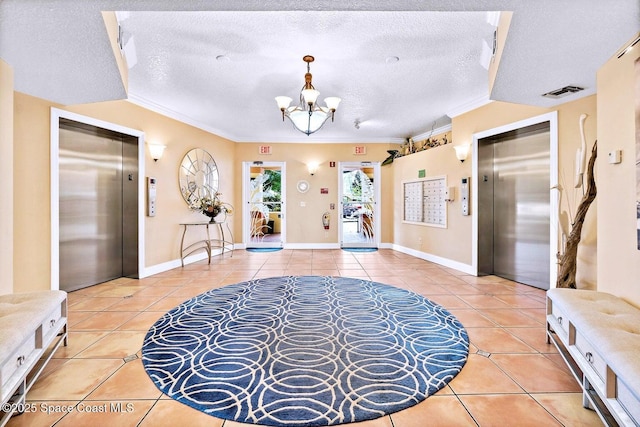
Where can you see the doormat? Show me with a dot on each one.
(263, 249)
(360, 249)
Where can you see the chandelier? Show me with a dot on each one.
(308, 117)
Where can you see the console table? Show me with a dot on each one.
(208, 244)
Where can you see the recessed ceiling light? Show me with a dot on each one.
(391, 59)
(223, 58)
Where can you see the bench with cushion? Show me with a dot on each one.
(598, 335)
(32, 327)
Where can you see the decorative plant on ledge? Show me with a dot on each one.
(567, 260)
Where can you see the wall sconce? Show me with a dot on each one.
(462, 151)
(312, 168)
(156, 150)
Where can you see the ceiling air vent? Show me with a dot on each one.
(559, 93)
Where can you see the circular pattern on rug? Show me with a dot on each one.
(304, 351)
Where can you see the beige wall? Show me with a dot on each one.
(618, 257)
(163, 231)
(32, 196)
(6, 178)
(304, 224)
(570, 197)
(618, 263)
(454, 242)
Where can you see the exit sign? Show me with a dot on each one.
(359, 150)
(264, 149)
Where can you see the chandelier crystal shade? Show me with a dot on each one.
(308, 117)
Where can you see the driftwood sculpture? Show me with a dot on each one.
(567, 261)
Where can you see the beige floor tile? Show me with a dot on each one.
(297, 272)
(121, 291)
(191, 290)
(497, 340)
(41, 413)
(567, 408)
(455, 286)
(448, 301)
(167, 303)
(156, 291)
(507, 410)
(263, 274)
(77, 342)
(483, 301)
(117, 344)
(354, 273)
(95, 303)
(170, 413)
(323, 265)
(135, 303)
(74, 298)
(537, 314)
(75, 317)
(319, 272)
(129, 382)
(142, 322)
(536, 373)
(481, 376)
(509, 317)
(393, 281)
(173, 281)
(471, 318)
(435, 411)
(74, 380)
(427, 289)
(521, 301)
(101, 335)
(104, 321)
(107, 413)
(378, 422)
(534, 337)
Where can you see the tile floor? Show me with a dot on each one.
(512, 376)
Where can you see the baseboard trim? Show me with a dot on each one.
(311, 246)
(170, 265)
(445, 262)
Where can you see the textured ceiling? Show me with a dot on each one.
(60, 51)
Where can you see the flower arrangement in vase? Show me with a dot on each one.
(211, 206)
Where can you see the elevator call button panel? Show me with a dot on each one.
(151, 196)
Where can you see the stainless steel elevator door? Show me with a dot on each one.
(521, 203)
(91, 245)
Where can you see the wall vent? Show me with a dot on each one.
(559, 93)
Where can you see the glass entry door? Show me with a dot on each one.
(264, 201)
(359, 211)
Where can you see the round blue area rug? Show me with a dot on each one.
(304, 351)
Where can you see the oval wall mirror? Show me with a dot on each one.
(198, 176)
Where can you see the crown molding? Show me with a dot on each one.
(436, 131)
(294, 139)
(469, 106)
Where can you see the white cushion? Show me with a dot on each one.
(21, 314)
(610, 324)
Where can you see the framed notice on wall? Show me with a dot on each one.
(424, 201)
